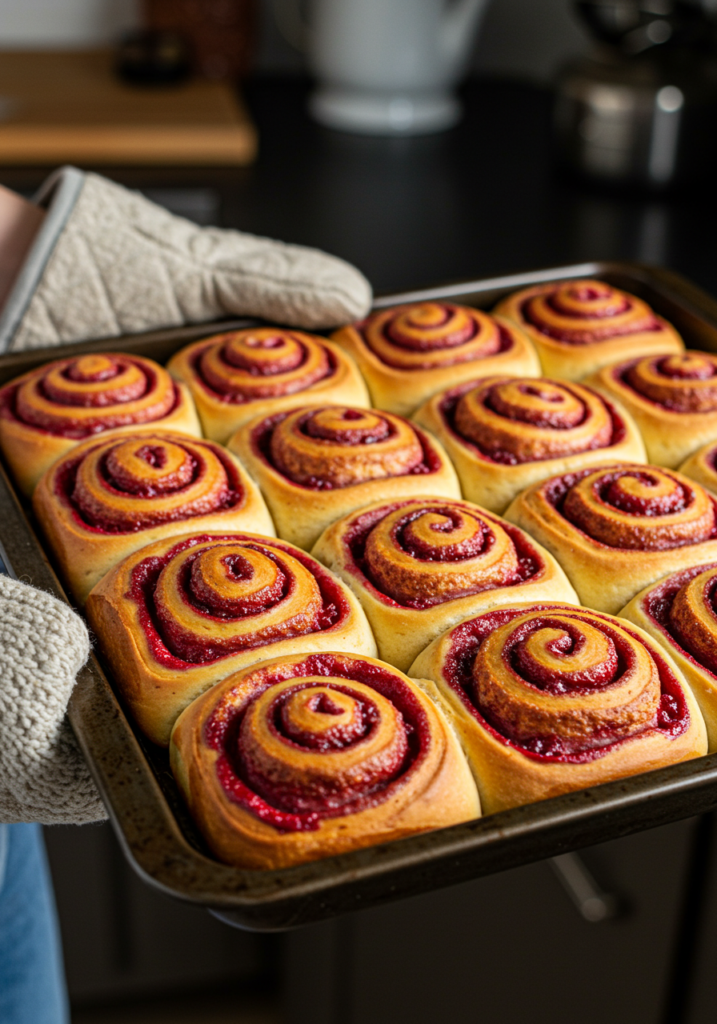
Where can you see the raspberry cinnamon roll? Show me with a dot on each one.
(702, 467)
(318, 463)
(548, 699)
(505, 433)
(110, 497)
(617, 529)
(673, 400)
(178, 615)
(311, 756)
(236, 376)
(578, 327)
(407, 353)
(49, 411)
(420, 566)
(680, 612)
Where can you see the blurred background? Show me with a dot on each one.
(563, 133)
(519, 38)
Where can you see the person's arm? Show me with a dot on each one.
(19, 224)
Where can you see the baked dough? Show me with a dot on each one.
(673, 400)
(236, 376)
(579, 326)
(49, 411)
(178, 615)
(111, 496)
(409, 352)
(420, 566)
(679, 612)
(334, 753)
(505, 433)
(617, 529)
(702, 467)
(321, 462)
(549, 699)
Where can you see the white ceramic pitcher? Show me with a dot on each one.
(384, 67)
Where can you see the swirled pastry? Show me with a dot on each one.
(110, 497)
(407, 353)
(178, 615)
(579, 326)
(617, 529)
(49, 411)
(236, 376)
(673, 400)
(310, 756)
(318, 463)
(505, 433)
(702, 467)
(548, 699)
(681, 614)
(418, 567)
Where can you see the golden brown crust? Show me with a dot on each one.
(407, 353)
(237, 376)
(673, 400)
(470, 425)
(178, 615)
(617, 529)
(700, 467)
(110, 497)
(318, 463)
(112, 393)
(399, 560)
(579, 326)
(431, 790)
(679, 613)
(468, 667)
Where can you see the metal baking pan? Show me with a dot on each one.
(151, 822)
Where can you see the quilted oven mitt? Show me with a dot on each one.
(43, 776)
(107, 261)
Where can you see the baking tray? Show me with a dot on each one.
(156, 833)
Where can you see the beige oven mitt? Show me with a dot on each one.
(43, 776)
(106, 261)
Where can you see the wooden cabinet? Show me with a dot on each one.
(122, 938)
(509, 948)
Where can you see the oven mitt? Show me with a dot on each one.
(43, 776)
(106, 261)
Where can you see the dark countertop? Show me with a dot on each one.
(481, 199)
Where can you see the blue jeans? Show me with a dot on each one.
(32, 986)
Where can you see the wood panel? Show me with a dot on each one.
(68, 107)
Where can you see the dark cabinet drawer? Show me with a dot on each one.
(509, 948)
(122, 938)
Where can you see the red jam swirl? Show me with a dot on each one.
(210, 597)
(522, 674)
(428, 335)
(262, 362)
(682, 383)
(640, 508)
(514, 420)
(331, 447)
(128, 484)
(288, 737)
(419, 554)
(685, 607)
(587, 311)
(79, 397)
